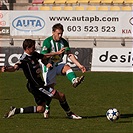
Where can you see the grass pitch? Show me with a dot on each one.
(99, 92)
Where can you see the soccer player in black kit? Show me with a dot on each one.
(31, 68)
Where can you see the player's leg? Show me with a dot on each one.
(40, 99)
(72, 76)
(14, 110)
(26, 110)
(49, 76)
(52, 93)
(47, 106)
(63, 102)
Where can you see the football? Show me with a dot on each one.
(113, 114)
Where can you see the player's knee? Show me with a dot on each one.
(40, 109)
(66, 68)
(62, 97)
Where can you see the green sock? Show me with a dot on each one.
(70, 75)
(47, 106)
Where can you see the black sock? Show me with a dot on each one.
(30, 109)
(65, 106)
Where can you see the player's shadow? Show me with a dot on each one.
(126, 115)
(4, 99)
(98, 116)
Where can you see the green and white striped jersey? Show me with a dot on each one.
(49, 45)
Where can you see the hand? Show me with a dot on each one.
(3, 69)
(83, 69)
(9, 68)
(61, 51)
(49, 65)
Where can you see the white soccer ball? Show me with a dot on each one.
(113, 114)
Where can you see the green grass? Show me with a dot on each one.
(99, 92)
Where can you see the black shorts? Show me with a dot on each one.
(41, 94)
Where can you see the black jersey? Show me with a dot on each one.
(31, 68)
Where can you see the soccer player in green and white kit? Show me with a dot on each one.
(55, 66)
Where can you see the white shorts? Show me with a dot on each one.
(50, 75)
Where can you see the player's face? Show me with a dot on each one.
(31, 50)
(57, 34)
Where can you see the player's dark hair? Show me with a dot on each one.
(28, 43)
(57, 26)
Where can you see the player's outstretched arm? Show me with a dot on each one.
(9, 68)
(75, 61)
(47, 55)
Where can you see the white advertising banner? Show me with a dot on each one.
(76, 23)
(112, 59)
